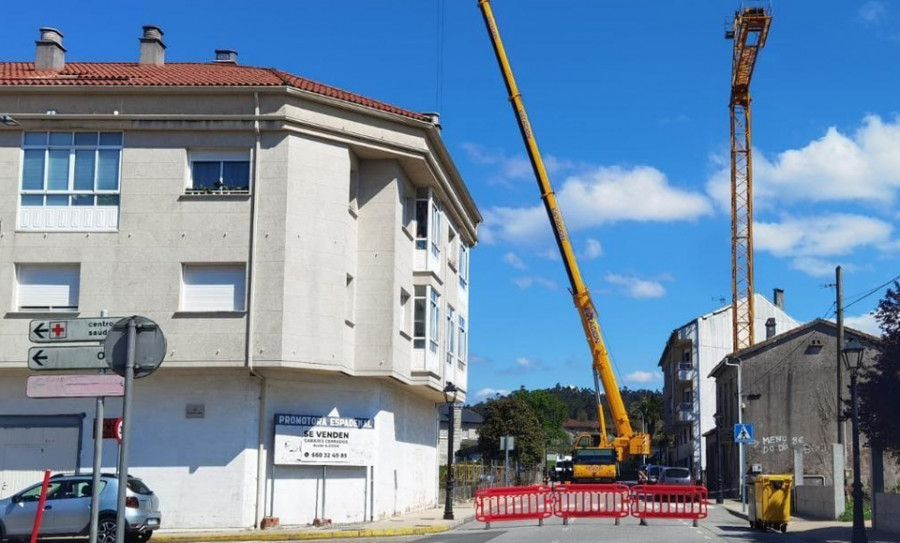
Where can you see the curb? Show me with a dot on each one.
(307, 535)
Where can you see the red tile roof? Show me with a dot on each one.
(179, 74)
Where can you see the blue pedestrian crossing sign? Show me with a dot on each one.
(743, 434)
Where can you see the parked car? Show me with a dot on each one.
(653, 473)
(562, 472)
(67, 511)
(675, 476)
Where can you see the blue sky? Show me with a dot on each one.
(629, 104)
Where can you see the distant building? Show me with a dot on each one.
(574, 427)
(466, 424)
(689, 394)
(789, 394)
(305, 250)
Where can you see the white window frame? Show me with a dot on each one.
(220, 156)
(452, 247)
(463, 340)
(70, 190)
(434, 229)
(420, 293)
(31, 292)
(239, 302)
(463, 265)
(434, 320)
(451, 334)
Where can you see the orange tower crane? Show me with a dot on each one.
(749, 31)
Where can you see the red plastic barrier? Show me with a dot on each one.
(513, 503)
(591, 500)
(669, 501)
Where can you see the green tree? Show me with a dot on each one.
(550, 410)
(512, 416)
(880, 382)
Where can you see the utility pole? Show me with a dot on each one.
(839, 349)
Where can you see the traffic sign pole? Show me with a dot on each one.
(126, 431)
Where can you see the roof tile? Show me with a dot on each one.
(179, 74)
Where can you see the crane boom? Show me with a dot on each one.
(626, 440)
(749, 32)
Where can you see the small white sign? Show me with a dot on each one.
(74, 386)
(323, 440)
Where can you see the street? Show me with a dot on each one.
(722, 525)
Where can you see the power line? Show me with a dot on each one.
(862, 297)
(439, 74)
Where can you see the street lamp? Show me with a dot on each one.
(450, 392)
(853, 354)
(718, 416)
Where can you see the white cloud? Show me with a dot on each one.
(872, 12)
(864, 323)
(863, 166)
(816, 267)
(513, 260)
(822, 235)
(525, 363)
(550, 253)
(642, 377)
(602, 195)
(593, 249)
(486, 393)
(511, 168)
(525, 283)
(634, 287)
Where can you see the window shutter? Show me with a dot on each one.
(213, 288)
(48, 287)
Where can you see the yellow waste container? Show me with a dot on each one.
(770, 502)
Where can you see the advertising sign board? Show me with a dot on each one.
(318, 440)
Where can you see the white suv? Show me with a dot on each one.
(67, 511)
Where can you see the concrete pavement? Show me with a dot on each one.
(819, 531)
(429, 521)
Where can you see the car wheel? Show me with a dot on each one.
(106, 530)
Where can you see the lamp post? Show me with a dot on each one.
(852, 354)
(719, 483)
(450, 392)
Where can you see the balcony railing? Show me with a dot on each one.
(684, 412)
(685, 372)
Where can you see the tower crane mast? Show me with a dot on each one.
(749, 31)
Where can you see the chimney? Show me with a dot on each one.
(153, 50)
(779, 298)
(51, 55)
(770, 327)
(226, 56)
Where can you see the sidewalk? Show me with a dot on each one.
(429, 521)
(820, 531)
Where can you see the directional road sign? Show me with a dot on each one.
(74, 386)
(67, 358)
(63, 330)
(743, 434)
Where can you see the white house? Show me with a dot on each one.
(690, 354)
(304, 249)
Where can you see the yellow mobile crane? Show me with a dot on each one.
(595, 456)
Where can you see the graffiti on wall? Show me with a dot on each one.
(777, 444)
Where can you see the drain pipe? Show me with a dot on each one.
(251, 314)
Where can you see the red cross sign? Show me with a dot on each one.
(58, 329)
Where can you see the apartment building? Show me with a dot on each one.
(689, 394)
(304, 249)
